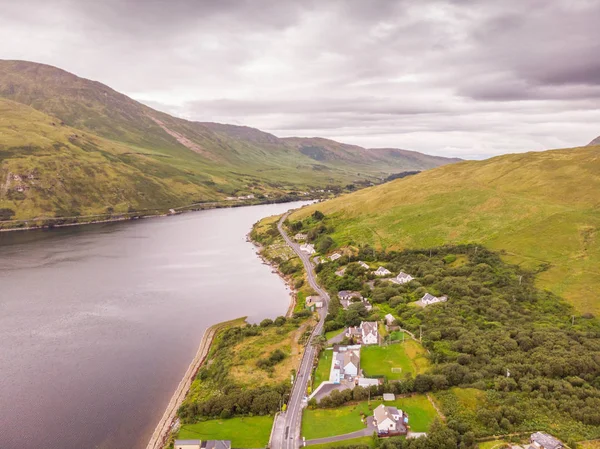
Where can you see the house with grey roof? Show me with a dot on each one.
(390, 421)
(403, 278)
(381, 271)
(542, 440)
(429, 299)
(335, 256)
(300, 236)
(341, 272)
(187, 444)
(362, 264)
(308, 248)
(369, 333)
(345, 363)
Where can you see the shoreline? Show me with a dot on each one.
(169, 419)
(124, 217)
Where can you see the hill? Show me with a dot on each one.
(541, 209)
(596, 141)
(212, 160)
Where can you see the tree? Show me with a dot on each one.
(318, 215)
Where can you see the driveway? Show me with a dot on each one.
(327, 389)
(337, 338)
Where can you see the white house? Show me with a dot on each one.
(362, 264)
(308, 248)
(187, 444)
(345, 363)
(369, 333)
(340, 272)
(389, 420)
(429, 299)
(403, 278)
(300, 236)
(389, 319)
(335, 256)
(382, 272)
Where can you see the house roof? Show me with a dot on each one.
(390, 317)
(403, 275)
(351, 357)
(545, 440)
(369, 327)
(428, 297)
(394, 411)
(389, 397)
(383, 269)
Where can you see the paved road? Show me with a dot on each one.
(286, 431)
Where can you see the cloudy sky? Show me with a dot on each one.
(462, 78)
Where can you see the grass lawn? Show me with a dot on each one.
(379, 360)
(323, 368)
(367, 441)
(248, 432)
(322, 423)
(494, 444)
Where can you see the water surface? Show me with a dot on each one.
(99, 323)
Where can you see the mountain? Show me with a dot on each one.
(596, 141)
(169, 161)
(541, 209)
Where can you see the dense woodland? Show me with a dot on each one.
(532, 353)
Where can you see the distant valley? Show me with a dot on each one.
(71, 147)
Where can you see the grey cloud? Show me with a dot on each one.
(445, 76)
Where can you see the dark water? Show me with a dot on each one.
(99, 323)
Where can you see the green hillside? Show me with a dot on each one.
(174, 162)
(542, 209)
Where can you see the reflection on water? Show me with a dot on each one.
(98, 323)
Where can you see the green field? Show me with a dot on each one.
(379, 360)
(335, 333)
(323, 368)
(322, 423)
(249, 432)
(541, 208)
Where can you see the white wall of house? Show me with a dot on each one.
(387, 425)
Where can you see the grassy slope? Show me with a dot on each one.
(246, 432)
(541, 208)
(62, 166)
(216, 160)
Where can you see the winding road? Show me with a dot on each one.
(287, 426)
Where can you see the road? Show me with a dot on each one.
(287, 428)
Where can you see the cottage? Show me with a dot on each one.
(335, 256)
(389, 319)
(369, 333)
(308, 248)
(354, 332)
(347, 296)
(345, 363)
(298, 237)
(428, 299)
(403, 278)
(216, 444)
(390, 420)
(382, 272)
(187, 444)
(341, 272)
(362, 264)
(541, 440)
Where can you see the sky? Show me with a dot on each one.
(470, 79)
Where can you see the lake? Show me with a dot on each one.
(99, 323)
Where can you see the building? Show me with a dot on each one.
(429, 299)
(314, 302)
(187, 444)
(403, 278)
(390, 420)
(541, 440)
(382, 272)
(341, 272)
(366, 382)
(299, 237)
(389, 397)
(345, 364)
(335, 256)
(308, 248)
(346, 297)
(216, 444)
(389, 319)
(369, 333)
(362, 264)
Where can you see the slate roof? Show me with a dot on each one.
(546, 441)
